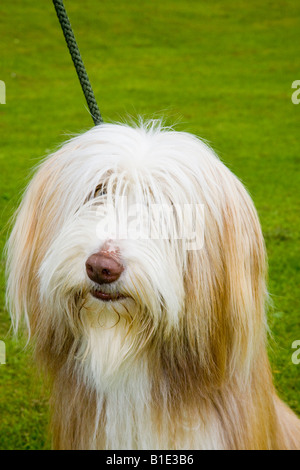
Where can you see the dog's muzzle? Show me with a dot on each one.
(104, 267)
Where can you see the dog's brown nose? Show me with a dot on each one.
(103, 267)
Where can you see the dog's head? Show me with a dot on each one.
(142, 231)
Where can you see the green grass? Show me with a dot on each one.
(221, 69)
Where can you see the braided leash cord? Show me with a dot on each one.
(77, 60)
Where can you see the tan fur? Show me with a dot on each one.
(205, 383)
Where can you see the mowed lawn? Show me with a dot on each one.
(222, 70)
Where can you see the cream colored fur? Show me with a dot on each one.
(181, 362)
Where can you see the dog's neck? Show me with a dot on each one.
(133, 406)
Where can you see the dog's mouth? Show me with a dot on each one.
(98, 293)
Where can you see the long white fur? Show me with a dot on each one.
(148, 165)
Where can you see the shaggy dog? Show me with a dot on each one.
(137, 263)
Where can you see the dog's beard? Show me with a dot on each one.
(149, 295)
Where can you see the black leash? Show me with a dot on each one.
(77, 60)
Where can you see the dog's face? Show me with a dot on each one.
(137, 237)
(128, 210)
